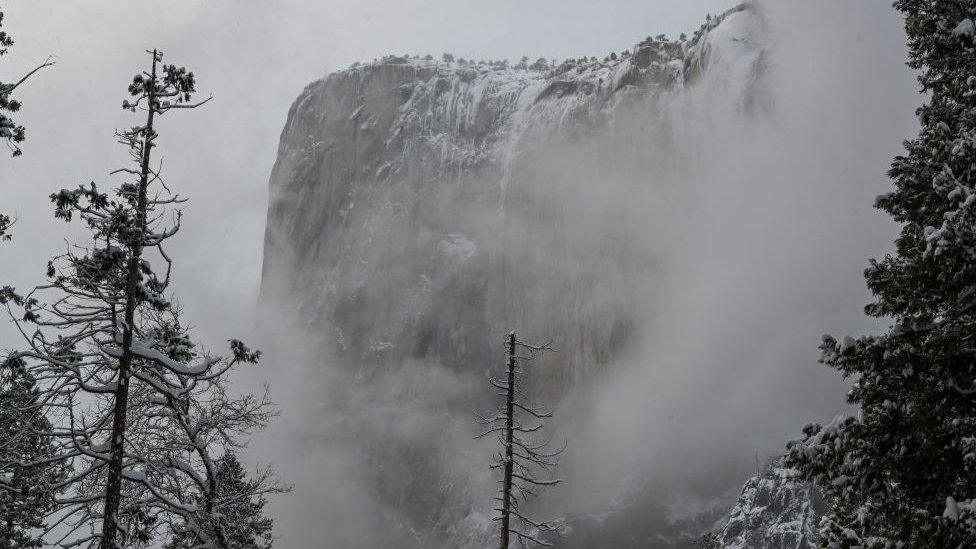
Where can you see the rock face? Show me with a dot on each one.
(411, 211)
(419, 210)
(774, 511)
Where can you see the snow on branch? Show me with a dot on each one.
(520, 460)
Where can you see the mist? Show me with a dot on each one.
(763, 253)
(729, 227)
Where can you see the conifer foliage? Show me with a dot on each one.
(27, 472)
(237, 509)
(5, 223)
(141, 412)
(521, 459)
(903, 471)
(11, 132)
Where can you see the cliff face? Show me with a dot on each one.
(412, 211)
(419, 210)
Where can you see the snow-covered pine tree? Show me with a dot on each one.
(145, 409)
(237, 512)
(903, 471)
(11, 132)
(520, 459)
(5, 223)
(221, 504)
(27, 471)
(708, 540)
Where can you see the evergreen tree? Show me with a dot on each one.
(539, 64)
(146, 411)
(5, 223)
(903, 471)
(11, 132)
(27, 476)
(237, 510)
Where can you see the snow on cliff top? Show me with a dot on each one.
(468, 112)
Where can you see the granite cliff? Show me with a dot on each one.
(420, 209)
(411, 210)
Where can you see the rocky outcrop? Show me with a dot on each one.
(774, 511)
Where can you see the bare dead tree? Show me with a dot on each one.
(141, 412)
(521, 460)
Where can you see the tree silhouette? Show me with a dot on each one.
(520, 460)
(146, 411)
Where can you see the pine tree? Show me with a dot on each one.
(903, 471)
(708, 540)
(10, 131)
(146, 410)
(26, 472)
(520, 458)
(5, 223)
(237, 510)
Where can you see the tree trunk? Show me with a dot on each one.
(113, 488)
(509, 427)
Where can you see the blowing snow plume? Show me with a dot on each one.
(670, 216)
